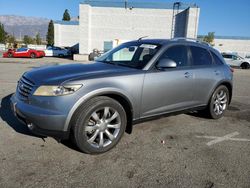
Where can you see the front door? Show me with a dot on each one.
(170, 89)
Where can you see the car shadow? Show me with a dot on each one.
(7, 115)
(198, 114)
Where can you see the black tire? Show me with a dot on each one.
(245, 65)
(10, 55)
(81, 120)
(211, 106)
(61, 55)
(33, 55)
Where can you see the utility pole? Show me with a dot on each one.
(126, 4)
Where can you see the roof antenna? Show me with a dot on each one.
(139, 39)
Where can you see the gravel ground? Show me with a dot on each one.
(168, 152)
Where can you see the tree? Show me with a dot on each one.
(50, 34)
(38, 39)
(3, 34)
(28, 40)
(11, 39)
(209, 38)
(66, 16)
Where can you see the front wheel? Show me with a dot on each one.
(98, 125)
(218, 102)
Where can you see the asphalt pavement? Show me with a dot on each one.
(183, 150)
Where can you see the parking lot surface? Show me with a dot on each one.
(183, 150)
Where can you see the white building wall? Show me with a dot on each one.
(85, 26)
(192, 22)
(242, 47)
(99, 24)
(66, 35)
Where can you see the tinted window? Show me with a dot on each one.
(217, 60)
(227, 56)
(200, 56)
(177, 54)
(22, 49)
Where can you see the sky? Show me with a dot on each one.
(224, 17)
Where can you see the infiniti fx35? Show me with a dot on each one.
(95, 103)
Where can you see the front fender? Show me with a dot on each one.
(97, 92)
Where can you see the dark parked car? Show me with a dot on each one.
(95, 103)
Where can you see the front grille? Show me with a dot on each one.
(25, 87)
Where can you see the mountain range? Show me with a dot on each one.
(22, 25)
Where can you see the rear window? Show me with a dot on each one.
(216, 59)
(200, 56)
(227, 56)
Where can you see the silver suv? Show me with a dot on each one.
(96, 103)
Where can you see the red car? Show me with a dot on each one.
(24, 52)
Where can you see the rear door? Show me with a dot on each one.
(207, 74)
(169, 89)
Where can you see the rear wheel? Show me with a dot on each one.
(98, 125)
(33, 55)
(10, 55)
(218, 102)
(245, 65)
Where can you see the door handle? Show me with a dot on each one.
(217, 72)
(188, 75)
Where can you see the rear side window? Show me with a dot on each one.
(200, 56)
(217, 60)
(227, 56)
(178, 54)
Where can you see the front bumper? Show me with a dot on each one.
(40, 121)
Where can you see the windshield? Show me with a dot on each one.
(131, 54)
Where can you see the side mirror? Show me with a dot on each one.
(166, 63)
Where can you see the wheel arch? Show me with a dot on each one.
(229, 87)
(244, 62)
(118, 96)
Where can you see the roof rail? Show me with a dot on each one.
(190, 39)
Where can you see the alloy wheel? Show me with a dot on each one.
(220, 102)
(103, 127)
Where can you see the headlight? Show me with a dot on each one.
(56, 90)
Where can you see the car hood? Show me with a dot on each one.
(58, 74)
